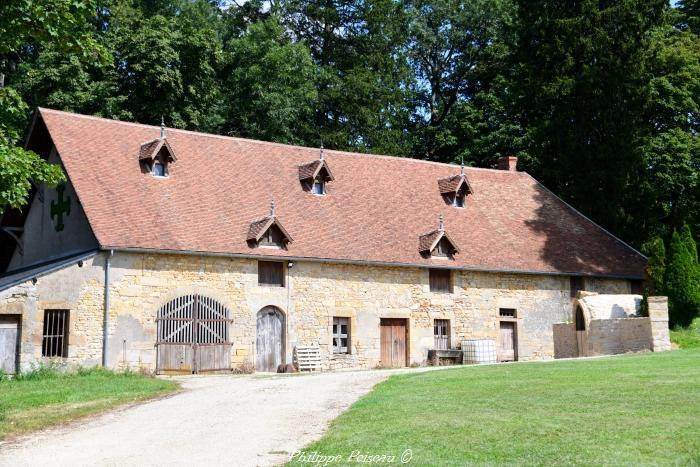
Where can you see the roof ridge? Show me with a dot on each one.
(272, 143)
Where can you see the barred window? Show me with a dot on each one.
(441, 331)
(341, 335)
(54, 341)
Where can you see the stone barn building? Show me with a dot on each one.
(181, 251)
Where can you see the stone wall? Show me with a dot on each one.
(314, 294)
(620, 335)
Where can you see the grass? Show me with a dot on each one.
(687, 338)
(45, 397)
(627, 410)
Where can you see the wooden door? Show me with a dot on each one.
(9, 343)
(506, 351)
(269, 343)
(393, 342)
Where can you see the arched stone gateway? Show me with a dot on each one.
(193, 335)
(270, 339)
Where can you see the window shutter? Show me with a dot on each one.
(271, 273)
(440, 280)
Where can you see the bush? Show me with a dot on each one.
(681, 282)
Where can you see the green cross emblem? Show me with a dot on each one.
(60, 207)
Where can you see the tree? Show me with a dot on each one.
(681, 283)
(27, 26)
(458, 49)
(269, 84)
(656, 265)
(582, 86)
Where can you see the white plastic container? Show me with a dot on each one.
(479, 350)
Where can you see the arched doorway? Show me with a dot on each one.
(581, 332)
(269, 342)
(193, 335)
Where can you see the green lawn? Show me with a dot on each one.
(40, 400)
(687, 338)
(626, 410)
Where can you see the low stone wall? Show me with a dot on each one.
(619, 335)
(565, 345)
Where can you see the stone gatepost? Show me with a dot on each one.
(658, 318)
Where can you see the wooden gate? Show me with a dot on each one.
(269, 342)
(506, 351)
(9, 343)
(393, 342)
(193, 335)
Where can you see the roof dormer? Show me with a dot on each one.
(156, 155)
(314, 175)
(437, 244)
(455, 189)
(268, 232)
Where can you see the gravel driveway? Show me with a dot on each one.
(218, 420)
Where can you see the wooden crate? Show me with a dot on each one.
(307, 357)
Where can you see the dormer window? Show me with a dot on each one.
(315, 175)
(318, 187)
(156, 156)
(158, 169)
(455, 189)
(437, 244)
(268, 232)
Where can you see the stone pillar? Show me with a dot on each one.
(658, 317)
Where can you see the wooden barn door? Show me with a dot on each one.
(193, 336)
(269, 343)
(506, 351)
(9, 343)
(393, 342)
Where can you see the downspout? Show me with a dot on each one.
(105, 323)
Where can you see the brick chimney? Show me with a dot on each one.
(508, 163)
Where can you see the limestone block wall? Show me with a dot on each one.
(658, 322)
(314, 294)
(620, 335)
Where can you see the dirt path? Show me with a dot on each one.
(218, 420)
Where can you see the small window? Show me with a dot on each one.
(54, 342)
(341, 335)
(272, 238)
(443, 249)
(441, 280)
(576, 285)
(458, 201)
(271, 273)
(158, 169)
(441, 331)
(506, 312)
(318, 187)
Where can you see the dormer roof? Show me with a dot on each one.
(427, 242)
(259, 227)
(151, 149)
(314, 170)
(455, 184)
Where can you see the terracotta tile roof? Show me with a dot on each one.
(374, 211)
